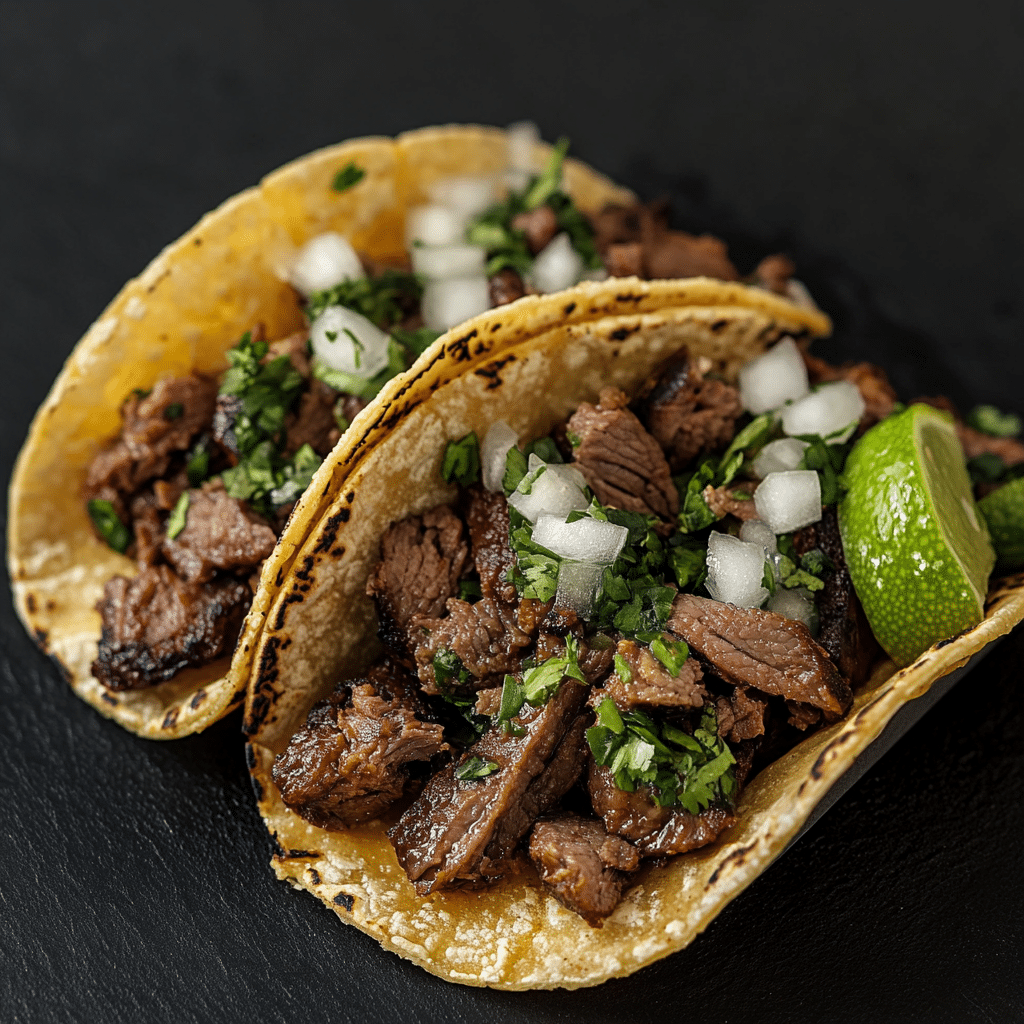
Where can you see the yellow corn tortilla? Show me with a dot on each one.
(189, 306)
(530, 363)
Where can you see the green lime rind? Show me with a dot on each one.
(1003, 511)
(918, 553)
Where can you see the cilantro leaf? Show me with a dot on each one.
(349, 175)
(198, 465)
(174, 411)
(989, 420)
(462, 461)
(385, 299)
(448, 667)
(176, 520)
(671, 653)
(827, 460)
(513, 697)
(542, 682)
(108, 524)
(475, 768)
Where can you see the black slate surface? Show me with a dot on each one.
(878, 143)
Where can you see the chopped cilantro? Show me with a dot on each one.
(295, 476)
(176, 520)
(515, 470)
(173, 411)
(462, 461)
(449, 670)
(688, 558)
(768, 577)
(348, 176)
(574, 439)
(198, 465)
(671, 653)
(622, 669)
(989, 420)
(469, 590)
(541, 683)
(535, 573)
(512, 700)
(475, 768)
(417, 342)
(545, 449)
(109, 525)
(384, 299)
(827, 460)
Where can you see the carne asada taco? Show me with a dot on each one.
(153, 485)
(494, 719)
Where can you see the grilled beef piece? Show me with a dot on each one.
(457, 832)
(313, 422)
(154, 428)
(878, 394)
(585, 867)
(687, 413)
(624, 259)
(350, 760)
(621, 462)
(147, 527)
(225, 414)
(655, 831)
(774, 272)
(487, 520)
(652, 683)
(157, 624)
(220, 534)
(843, 629)
(726, 501)
(614, 224)
(422, 558)
(670, 253)
(506, 286)
(802, 716)
(539, 226)
(750, 647)
(740, 717)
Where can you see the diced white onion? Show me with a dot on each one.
(735, 571)
(434, 225)
(493, 452)
(835, 408)
(797, 293)
(323, 262)
(788, 501)
(555, 491)
(454, 260)
(558, 265)
(523, 137)
(451, 300)
(577, 586)
(795, 604)
(331, 335)
(779, 456)
(753, 531)
(776, 377)
(586, 540)
(466, 195)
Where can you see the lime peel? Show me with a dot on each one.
(918, 553)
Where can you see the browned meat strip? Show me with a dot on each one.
(349, 761)
(585, 867)
(655, 831)
(802, 716)
(614, 224)
(457, 832)
(422, 559)
(734, 500)
(878, 394)
(740, 717)
(506, 286)
(774, 272)
(678, 254)
(621, 462)
(487, 520)
(687, 413)
(539, 226)
(624, 259)
(147, 527)
(651, 682)
(313, 422)
(156, 624)
(750, 647)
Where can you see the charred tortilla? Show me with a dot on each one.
(182, 313)
(530, 364)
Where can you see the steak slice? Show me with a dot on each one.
(655, 831)
(585, 868)
(220, 534)
(457, 832)
(740, 717)
(750, 647)
(487, 520)
(313, 421)
(622, 463)
(349, 761)
(652, 683)
(157, 624)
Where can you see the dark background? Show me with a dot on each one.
(877, 143)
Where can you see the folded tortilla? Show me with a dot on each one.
(189, 306)
(529, 363)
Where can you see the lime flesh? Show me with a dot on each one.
(1004, 513)
(918, 552)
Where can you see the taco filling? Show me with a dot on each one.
(199, 483)
(606, 636)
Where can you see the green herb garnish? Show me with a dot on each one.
(990, 420)
(449, 670)
(108, 525)
(348, 176)
(827, 460)
(173, 411)
(198, 465)
(461, 461)
(383, 299)
(671, 653)
(475, 768)
(176, 520)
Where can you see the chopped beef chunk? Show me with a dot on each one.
(624, 259)
(157, 624)
(531, 613)
(488, 702)
(655, 831)
(539, 226)
(596, 657)
(774, 272)
(878, 394)
(615, 223)
(506, 286)
(688, 413)
(167, 492)
(220, 533)
(621, 462)
(487, 519)
(352, 406)
(313, 422)
(802, 716)
(485, 636)
(678, 254)
(652, 683)
(735, 499)
(422, 559)
(154, 428)
(740, 717)
(750, 647)
(457, 832)
(349, 761)
(147, 527)
(585, 867)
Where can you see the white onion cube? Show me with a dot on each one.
(557, 491)
(795, 604)
(779, 456)
(774, 378)
(434, 225)
(449, 301)
(323, 262)
(343, 339)
(466, 195)
(454, 260)
(499, 438)
(523, 137)
(834, 408)
(577, 586)
(789, 501)
(558, 265)
(753, 531)
(735, 571)
(586, 540)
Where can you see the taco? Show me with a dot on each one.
(410, 715)
(140, 446)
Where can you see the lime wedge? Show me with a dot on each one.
(918, 552)
(1004, 513)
